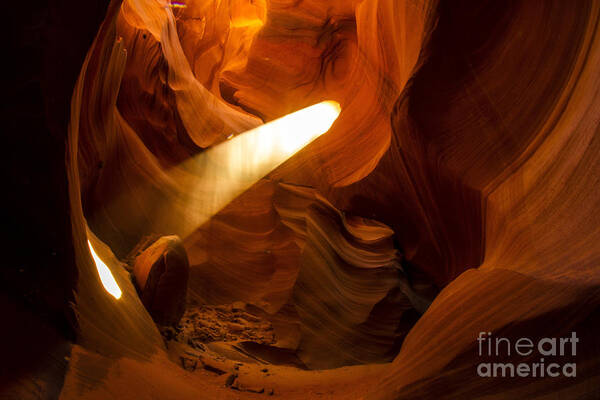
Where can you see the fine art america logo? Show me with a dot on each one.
(548, 350)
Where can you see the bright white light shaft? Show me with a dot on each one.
(280, 139)
(108, 281)
(228, 169)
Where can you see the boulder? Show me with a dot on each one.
(161, 274)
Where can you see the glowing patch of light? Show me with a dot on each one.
(108, 281)
(176, 4)
(245, 23)
(285, 136)
(224, 171)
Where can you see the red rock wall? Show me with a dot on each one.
(468, 128)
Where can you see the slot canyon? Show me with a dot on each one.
(301, 199)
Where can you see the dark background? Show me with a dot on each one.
(45, 45)
(48, 41)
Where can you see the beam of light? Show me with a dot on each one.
(108, 281)
(182, 198)
(283, 137)
(224, 171)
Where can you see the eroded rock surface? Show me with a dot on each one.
(161, 273)
(469, 131)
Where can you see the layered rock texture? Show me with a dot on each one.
(455, 194)
(348, 293)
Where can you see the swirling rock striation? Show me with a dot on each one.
(469, 130)
(347, 295)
